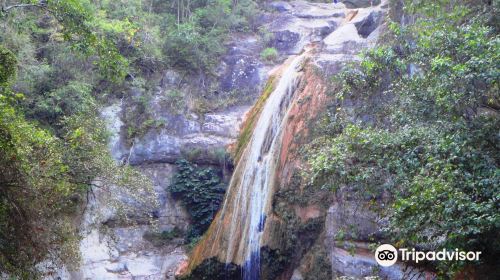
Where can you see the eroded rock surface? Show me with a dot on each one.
(299, 23)
(122, 251)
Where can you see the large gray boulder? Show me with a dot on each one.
(280, 6)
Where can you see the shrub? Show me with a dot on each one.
(174, 100)
(8, 64)
(201, 192)
(423, 133)
(269, 54)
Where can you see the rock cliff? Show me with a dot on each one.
(299, 239)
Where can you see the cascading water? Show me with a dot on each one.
(236, 233)
(267, 151)
(259, 168)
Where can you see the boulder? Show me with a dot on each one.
(368, 24)
(280, 6)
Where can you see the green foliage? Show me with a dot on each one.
(33, 173)
(40, 169)
(213, 269)
(188, 48)
(77, 25)
(8, 64)
(269, 54)
(45, 176)
(196, 38)
(424, 130)
(71, 99)
(174, 100)
(201, 191)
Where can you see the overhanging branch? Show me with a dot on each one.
(8, 8)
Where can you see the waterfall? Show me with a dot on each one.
(236, 233)
(253, 197)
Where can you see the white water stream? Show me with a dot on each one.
(252, 183)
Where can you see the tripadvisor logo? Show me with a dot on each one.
(387, 255)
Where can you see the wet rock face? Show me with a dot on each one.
(348, 218)
(296, 24)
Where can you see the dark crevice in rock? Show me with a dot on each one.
(368, 25)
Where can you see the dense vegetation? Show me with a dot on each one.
(201, 192)
(52, 144)
(424, 129)
(59, 60)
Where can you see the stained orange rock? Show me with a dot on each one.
(305, 109)
(308, 101)
(182, 268)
